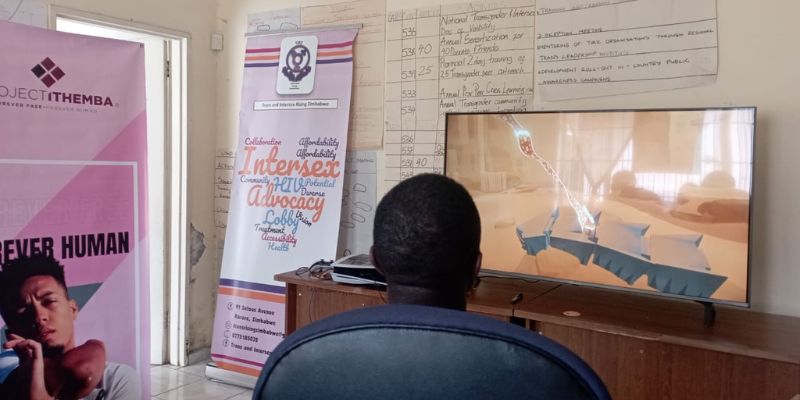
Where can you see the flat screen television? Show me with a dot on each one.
(652, 201)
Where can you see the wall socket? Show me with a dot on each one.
(216, 41)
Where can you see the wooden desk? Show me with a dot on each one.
(646, 347)
(643, 347)
(309, 299)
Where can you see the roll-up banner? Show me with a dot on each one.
(287, 188)
(73, 243)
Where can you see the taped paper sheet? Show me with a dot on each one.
(466, 57)
(590, 48)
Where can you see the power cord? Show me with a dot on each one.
(319, 269)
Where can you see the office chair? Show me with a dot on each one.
(417, 352)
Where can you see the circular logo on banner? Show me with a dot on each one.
(297, 60)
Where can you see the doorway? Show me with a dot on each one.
(165, 77)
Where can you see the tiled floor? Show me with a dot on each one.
(190, 383)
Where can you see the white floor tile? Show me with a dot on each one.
(198, 369)
(247, 395)
(164, 379)
(171, 382)
(202, 390)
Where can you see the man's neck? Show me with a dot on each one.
(445, 298)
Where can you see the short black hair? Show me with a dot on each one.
(15, 272)
(427, 233)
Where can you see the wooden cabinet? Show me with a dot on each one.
(643, 347)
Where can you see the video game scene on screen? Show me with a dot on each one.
(655, 201)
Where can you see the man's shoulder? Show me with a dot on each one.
(115, 372)
(120, 382)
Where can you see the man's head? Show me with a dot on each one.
(34, 302)
(427, 237)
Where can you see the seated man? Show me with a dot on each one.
(39, 314)
(426, 242)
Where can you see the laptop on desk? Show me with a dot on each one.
(356, 269)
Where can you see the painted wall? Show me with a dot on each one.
(755, 69)
(757, 66)
(195, 17)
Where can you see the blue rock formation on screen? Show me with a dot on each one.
(685, 273)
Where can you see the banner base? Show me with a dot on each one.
(230, 377)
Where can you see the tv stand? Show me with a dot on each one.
(709, 313)
(643, 347)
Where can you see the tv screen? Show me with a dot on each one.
(654, 201)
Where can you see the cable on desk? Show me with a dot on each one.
(484, 275)
(320, 270)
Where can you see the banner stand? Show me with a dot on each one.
(73, 209)
(230, 377)
(286, 194)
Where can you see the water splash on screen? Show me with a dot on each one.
(525, 144)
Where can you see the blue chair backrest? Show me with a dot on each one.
(416, 352)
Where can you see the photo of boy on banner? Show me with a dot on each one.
(40, 359)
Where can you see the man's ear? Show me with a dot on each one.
(477, 269)
(373, 258)
(74, 308)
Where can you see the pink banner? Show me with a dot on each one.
(73, 179)
(287, 188)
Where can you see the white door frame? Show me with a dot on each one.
(175, 179)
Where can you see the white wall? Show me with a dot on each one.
(195, 17)
(754, 70)
(758, 64)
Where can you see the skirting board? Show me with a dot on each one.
(233, 378)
